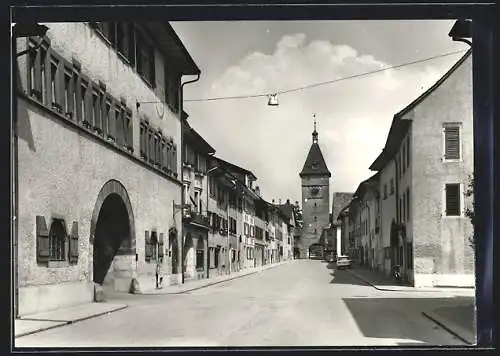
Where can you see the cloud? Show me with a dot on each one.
(353, 115)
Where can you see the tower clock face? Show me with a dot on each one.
(315, 191)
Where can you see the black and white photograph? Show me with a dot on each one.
(243, 183)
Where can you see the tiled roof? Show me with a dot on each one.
(235, 167)
(192, 137)
(315, 163)
(287, 210)
(339, 202)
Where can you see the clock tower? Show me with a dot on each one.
(315, 178)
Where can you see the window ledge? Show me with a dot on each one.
(100, 139)
(58, 264)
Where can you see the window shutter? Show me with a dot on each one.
(148, 247)
(174, 157)
(130, 131)
(160, 246)
(452, 199)
(452, 142)
(42, 239)
(73, 243)
(88, 105)
(60, 83)
(112, 121)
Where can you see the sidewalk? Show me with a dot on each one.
(457, 319)
(31, 324)
(202, 283)
(380, 282)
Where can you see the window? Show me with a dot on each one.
(246, 229)
(83, 98)
(57, 241)
(96, 111)
(54, 85)
(68, 94)
(200, 260)
(452, 142)
(252, 231)
(403, 217)
(216, 257)
(408, 151)
(453, 200)
(403, 155)
(172, 84)
(407, 203)
(398, 167)
(163, 150)
(400, 210)
(145, 58)
(107, 123)
(392, 186)
(43, 75)
(154, 246)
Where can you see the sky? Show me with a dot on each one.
(353, 116)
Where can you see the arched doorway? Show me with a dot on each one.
(112, 235)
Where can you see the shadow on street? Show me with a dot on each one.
(344, 277)
(388, 326)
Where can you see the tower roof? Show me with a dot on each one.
(315, 163)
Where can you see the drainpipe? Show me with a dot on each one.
(183, 197)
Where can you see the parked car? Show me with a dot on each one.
(343, 262)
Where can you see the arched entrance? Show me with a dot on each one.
(112, 235)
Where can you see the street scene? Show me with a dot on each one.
(243, 183)
(299, 303)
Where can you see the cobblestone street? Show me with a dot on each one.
(301, 303)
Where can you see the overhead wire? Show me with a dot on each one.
(314, 85)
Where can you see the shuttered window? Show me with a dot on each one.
(453, 199)
(57, 241)
(73, 243)
(452, 142)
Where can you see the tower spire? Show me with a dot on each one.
(315, 133)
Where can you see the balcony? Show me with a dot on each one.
(194, 218)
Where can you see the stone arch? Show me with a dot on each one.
(114, 187)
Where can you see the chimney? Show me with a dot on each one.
(257, 190)
(272, 201)
(288, 202)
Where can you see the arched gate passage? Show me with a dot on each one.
(112, 233)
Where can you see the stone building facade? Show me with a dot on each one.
(196, 224)
(429, 156)
(97, 173)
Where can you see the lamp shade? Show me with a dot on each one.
(273, 100)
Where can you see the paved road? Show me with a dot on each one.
(302, 303)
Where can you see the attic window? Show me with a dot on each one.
(315, 166)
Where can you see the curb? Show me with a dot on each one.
(451, 330)
(65, 323)
(213, 283)
(409, 288)
(371, 284)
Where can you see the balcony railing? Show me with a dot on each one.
(192, 217)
